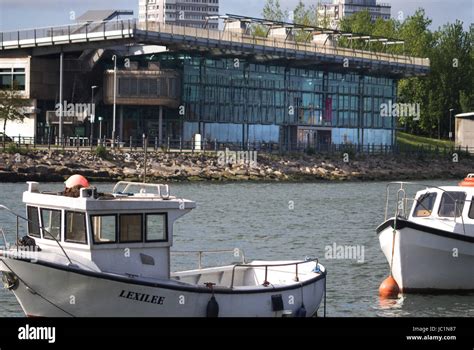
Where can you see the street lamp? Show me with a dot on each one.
(100, 129)
(92, 114)
(114, 57)
(450, 126)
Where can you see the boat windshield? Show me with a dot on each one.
(424, 205)
(452, 204)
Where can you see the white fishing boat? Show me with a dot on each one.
(96, 254)
(429, 244)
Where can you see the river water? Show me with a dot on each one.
(288, 221)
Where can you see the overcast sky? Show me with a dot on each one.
(16, 14)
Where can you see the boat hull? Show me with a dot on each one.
(426, 260)
(46, 291)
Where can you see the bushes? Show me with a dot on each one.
(102, 152)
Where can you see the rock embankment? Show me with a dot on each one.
(58, 165)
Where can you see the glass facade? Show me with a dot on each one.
(237, 100)
(231, 91)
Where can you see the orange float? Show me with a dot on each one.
(77, 180)
(389, 288)
(468, 181)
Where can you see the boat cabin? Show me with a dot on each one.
(128, 231)
(452, 206)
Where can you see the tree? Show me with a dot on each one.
(272, 11)
(359, 23)
(306, 16)
(11, 107)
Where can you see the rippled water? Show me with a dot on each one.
(289, 221)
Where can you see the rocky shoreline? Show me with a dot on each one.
(55, 166)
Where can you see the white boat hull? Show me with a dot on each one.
(45, 291)
(424, 262)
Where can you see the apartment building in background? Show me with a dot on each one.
(187, 13)
(330, 14)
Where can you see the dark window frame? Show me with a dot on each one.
(66, 226)
(91, 217)
(418, 202)
(49, 234)
(448, 193)
(166, 240)
(120, 228)
(30, 223)
(471, 209)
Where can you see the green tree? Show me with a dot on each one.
(272, 11)
(11, 107)
(306, 16)
(358, 23)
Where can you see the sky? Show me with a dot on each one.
(21, 14)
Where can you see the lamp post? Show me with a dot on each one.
(115, 100)
(100, 129)
(92, 114)
(450, 125)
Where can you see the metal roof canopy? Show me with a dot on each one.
(317, 29)
(102, 15)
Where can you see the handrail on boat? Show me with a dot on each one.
(237, 253)
(41, 227)
(162, 191)
(405, 199)
(266, 266)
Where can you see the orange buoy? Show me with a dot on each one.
(77, 180)
(468, 181)
(389, 288)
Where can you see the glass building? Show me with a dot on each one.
(235, 100)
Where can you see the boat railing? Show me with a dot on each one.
(125, 188)
(18, 217)
(266, 283)
(402, 209)
(238, 253)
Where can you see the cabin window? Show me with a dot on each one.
(76, 227)
(51, 220)
(471, 209)
(131, 228)
(104, 229)
(156, 228)
(33, 223)
(424, 205)
(452, 204)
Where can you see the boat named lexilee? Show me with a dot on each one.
(430, 244)
(95, 254)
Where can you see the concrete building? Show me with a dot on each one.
(224, 85)
(465, 131)
(330, 14)
(187, 13)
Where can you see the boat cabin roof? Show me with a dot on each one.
(126, 196)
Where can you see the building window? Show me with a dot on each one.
(33, 223)
(76, 231)
(156, 228)
(452, 204)
(104, 229)
(51, 220)
(131, 228)
(12, 78)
